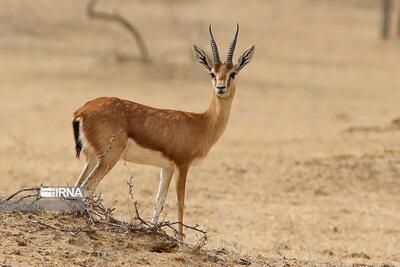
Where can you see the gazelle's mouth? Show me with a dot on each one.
(220, 91)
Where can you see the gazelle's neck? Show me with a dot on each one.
(217, 115)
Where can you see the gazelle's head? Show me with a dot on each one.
(223, 74)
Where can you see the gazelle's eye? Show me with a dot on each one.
(212, 75)
(233, 75)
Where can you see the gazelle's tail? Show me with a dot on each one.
(78, 143)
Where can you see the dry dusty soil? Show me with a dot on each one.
(306, 173)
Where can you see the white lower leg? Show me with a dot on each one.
(86, 181)
(165, 179)
(87, 170)
(82, 175)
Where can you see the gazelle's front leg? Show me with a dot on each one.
(180, 195)
(165, 179)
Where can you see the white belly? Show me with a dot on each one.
(137, 154)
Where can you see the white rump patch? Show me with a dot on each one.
(85, 145)
(137, 154)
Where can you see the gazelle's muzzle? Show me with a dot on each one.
(220, 88)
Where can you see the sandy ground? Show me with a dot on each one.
(286, 179)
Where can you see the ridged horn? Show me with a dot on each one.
(214, 47)
(232, 46)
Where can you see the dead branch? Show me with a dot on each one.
(135, 203)
(45, 224)
(118, 19)
(37, 189)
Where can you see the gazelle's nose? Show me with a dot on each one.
(220, 89)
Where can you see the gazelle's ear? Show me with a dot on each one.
(245, 58)
(202, 57)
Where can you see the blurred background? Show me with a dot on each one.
(309, 164)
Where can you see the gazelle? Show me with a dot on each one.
(170, 139)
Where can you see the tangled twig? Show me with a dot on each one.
(36, 189)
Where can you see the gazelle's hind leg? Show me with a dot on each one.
(101, 156)
(104, 164)
(90, 164)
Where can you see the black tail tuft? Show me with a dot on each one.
(78, 143)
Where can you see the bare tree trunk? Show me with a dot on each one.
(116, 18)
(386, 18)
(398, 22)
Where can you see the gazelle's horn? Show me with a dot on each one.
(232, 46)
(214, 47)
